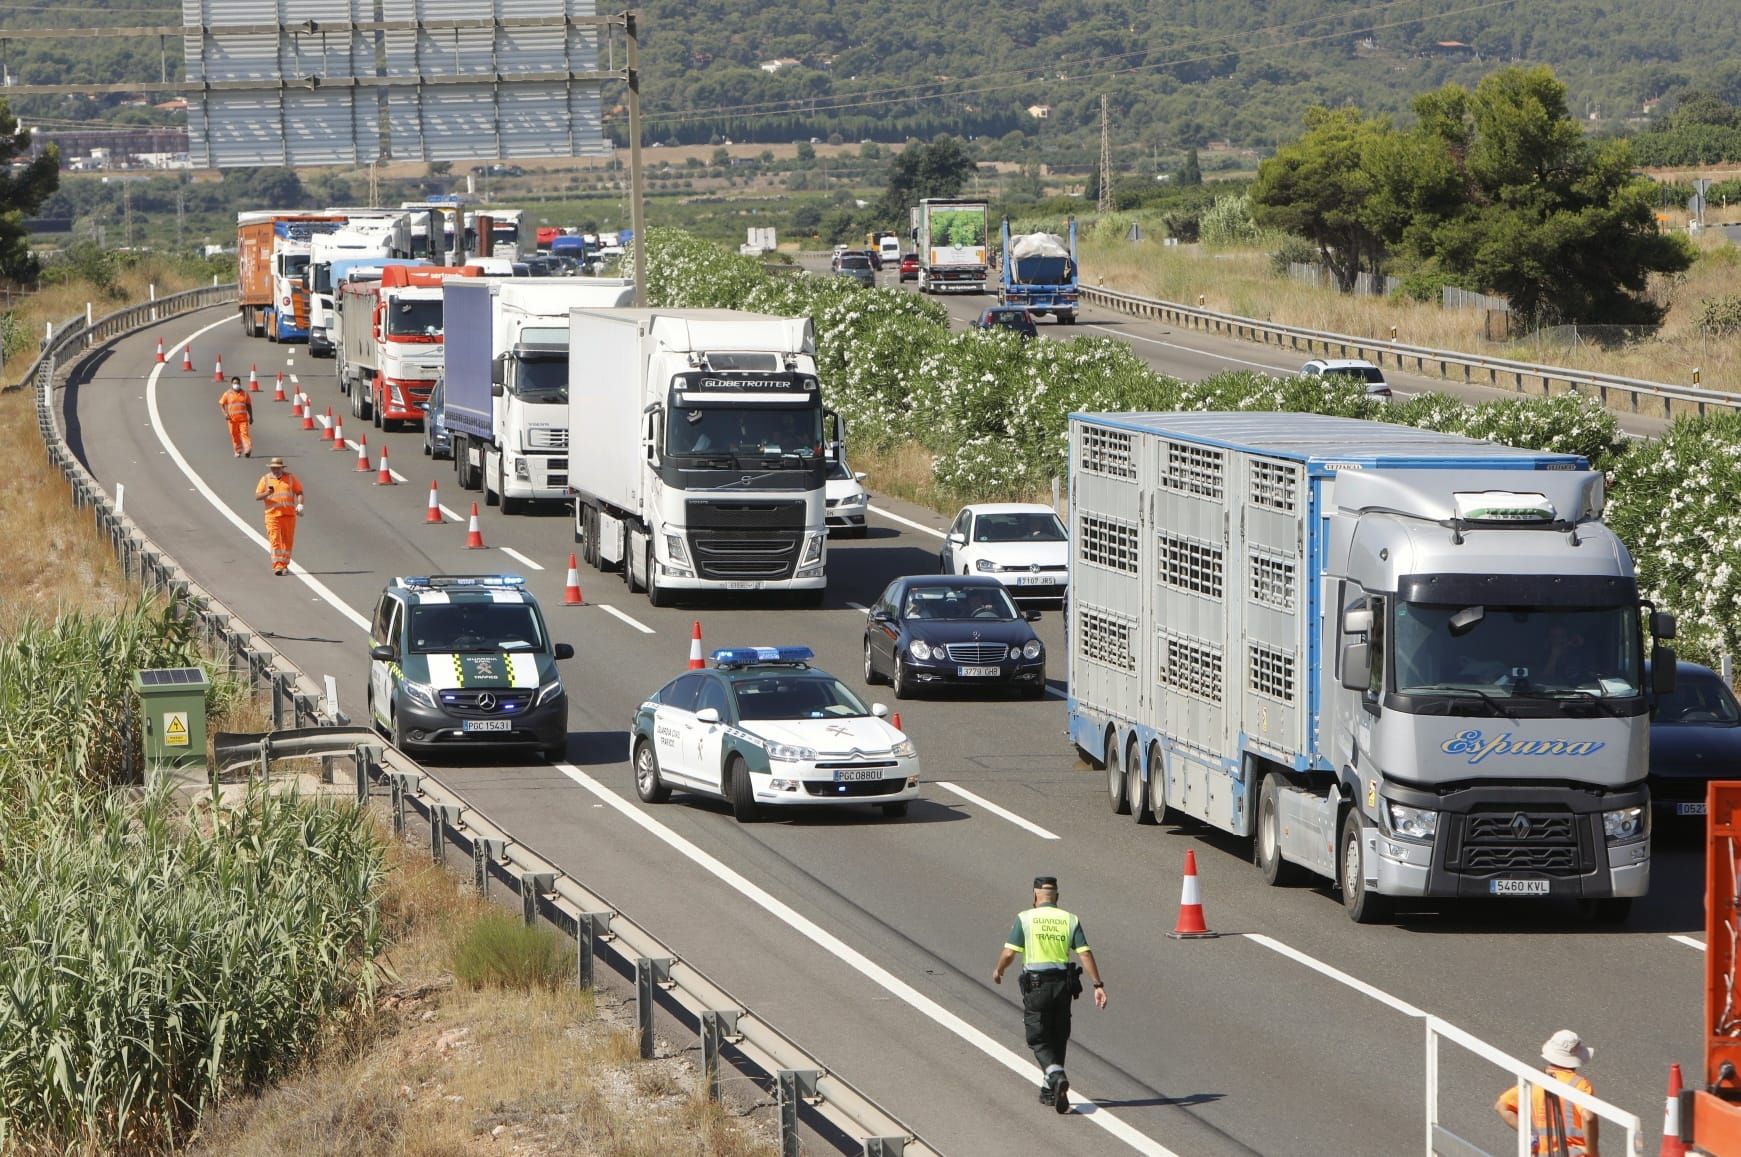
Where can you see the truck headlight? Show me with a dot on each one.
(786, 753)
(921, 650)
(812, 550)
(523, 469)
(1411, 823)
(548, 692)
(1626, 825)
(904, 750)
(675, 549)
(986, 566)
(421, 694)
(1031, 649)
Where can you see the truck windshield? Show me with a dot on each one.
(414, 318)
(542, 380)
(1517, 652)
(291, 265)
(745, 431)
(320, 278)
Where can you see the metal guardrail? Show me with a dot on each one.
(731, 1033)
(1626, 395)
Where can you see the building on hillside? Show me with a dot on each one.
(1452, 50)
(1040, 112)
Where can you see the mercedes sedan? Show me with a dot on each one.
(937, 630)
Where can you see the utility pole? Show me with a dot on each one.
(1105, 205)
(637, 222)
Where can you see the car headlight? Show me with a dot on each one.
(812, 550)
(547, 692)
(1411, 823)
(675, 549)
(1626, 825)
(421, 694)
(904, 750)
(986, 565)
(921, 650)
(1031, 649)
(786, 753)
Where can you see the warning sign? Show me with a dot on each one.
(175, 729)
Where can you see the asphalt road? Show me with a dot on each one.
(871, 940)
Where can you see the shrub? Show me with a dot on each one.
(498, 950)
(1228, 222)
(1720, 315)
(1293, 251)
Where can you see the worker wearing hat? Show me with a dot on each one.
(281, 491)
(238, 410)
(1045, 935)
(1557, 1129)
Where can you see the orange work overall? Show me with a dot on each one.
(240, 411)
(281, 494)
(1556, 1129)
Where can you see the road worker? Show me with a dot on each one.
(281, 491)
(1045, 935)
(1556, 1128)
(239, 409)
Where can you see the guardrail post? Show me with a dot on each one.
(532, 886)
(791, 1085)
(589, 928)
(649, 970)
(713, 1031)
(484, 850)
(403, 783)
(368, 764)
(440, 816)
(278, 682)
(884, 1146)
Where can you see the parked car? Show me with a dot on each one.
(1358, 369)
(1023, 545)
(437, 442)
(1695, 737)
(855, 267)
(763, 729)
(910, 267)
(1012, 317)
(935, 630)
(847, 499)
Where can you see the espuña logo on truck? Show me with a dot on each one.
(1477, 747)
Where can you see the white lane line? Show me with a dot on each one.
(633, 622)
(320, 589)
(856, 960)
(1001, 813)
(396, 476)
(1688, 941)
(1336, 974)
(453, 515)
(877, 510)
(1125, 336)
(1054, 693)
(856, 606)
(294, 380)
(512, 553)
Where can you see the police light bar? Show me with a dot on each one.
(461, 580)
(745, 656)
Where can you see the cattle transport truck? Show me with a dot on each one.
(697, 455)
(1407, 661)
(950, 236)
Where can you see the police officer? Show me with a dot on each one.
(1045, 935)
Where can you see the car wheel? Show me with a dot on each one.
(1142, 807)
(375, 724)
(895, 810)
(1117, 790)
(1267, 849)
(902, 684)
(743, 792)
(396, 732)
(648, 785)
(1363, 907)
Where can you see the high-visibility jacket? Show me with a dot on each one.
(1045, 936)
(236, 405)
(281, 493)
(1553, 1119)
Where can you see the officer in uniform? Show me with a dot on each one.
(1045, 935)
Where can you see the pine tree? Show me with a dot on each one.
(22, 192)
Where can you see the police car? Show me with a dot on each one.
(465, 661)
(763, 729)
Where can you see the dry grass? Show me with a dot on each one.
(1240, 281)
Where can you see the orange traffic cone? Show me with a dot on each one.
(218, 369)
(278, 390)
(385, 477)
(187, 358)
(571, 589)
(326, 425)
(1191, 925)
(159, 351)
(696, 662)
(1672, 1145)
(363, 466)
(307, 412)
(434, 512)
(337, 430)
(474, 536)
(895, 720)
(296, 404)
(253, 378)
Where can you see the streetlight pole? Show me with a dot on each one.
(637, 218)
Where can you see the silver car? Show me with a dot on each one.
(855, 266)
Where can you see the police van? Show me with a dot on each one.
(465, 661)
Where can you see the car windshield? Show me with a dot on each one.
(414, 318)
(795, 697)
(1698, 697)
(542, 381)
(439, 628)
(1019, 526)
(1517, 652)
(1371, 375)
(942, 602)
(747, 431)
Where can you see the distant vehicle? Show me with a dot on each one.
(855, 266)
(1038, 272)
(889, 248)
(1007, 317)
(563, 265)
(1358, 369)
(847, 499)
(950, 235)
(838, 250)
(874, 256)
(541, 267)
(1021, 544)
(934, 630)
(437, 442)
(1695, 737)
(910, 267)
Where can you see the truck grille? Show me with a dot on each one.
(541, 438)
(1506, 828)
(720, 555)
(755, 515)
(1561, 861)
(1512, 840)
(977, 652)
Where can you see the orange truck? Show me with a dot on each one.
(272, 253)
(390, 344)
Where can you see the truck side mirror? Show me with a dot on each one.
(1357, 621)
(1356, 673)
(1663, 624)
(1662, 670)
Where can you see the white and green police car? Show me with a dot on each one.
(763, 729)
(465, 661)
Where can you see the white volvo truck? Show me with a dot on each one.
(1407, 661)
(698, 457)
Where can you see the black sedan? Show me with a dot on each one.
(1695, 737)
(1010, 317)
(960, 630)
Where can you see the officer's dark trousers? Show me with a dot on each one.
(1046, 1016)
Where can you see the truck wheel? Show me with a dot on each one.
(656, 595)
(636, 585)
(357, 410)
(648, 785)
(1066, 319)
(1363, 907)
(743, 792)
(1117, 787)
(1267, 842)
(491, 497)
(1142, 807)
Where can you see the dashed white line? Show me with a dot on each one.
(397, 477)
(512, 553)
(629, 619)
(294, 380)
(1124, 336)
(994, 809)
(1688, 941)
(1336, 974)
(453, 515)
(906, 522)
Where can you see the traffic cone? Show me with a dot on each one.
(1191, 925)
(253, 378)
(159, 351)
(338, 433)
(434, 512)
(571, 590)
(696, 662)
(278, 390)
(307, 412)
(474, 537)
(326, 425)
(187, 358)
(1672, 1145)
(218, 369)
(895, 720)
(296, 404)
(363, 466)
(385, 476)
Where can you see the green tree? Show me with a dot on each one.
(721, 157)
(1320, 188)
(806, 154)
(1191, 173)
(24, 186)
(938, 169)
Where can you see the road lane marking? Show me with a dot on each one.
(856, 606)
(1688, 941)
(453, 515)
(1189, 349)
(1336, 974)
(633, 622)
(1001, 813)
(906, 522)
(512, 553)
(856, 960)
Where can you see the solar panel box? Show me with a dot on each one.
(172, 703)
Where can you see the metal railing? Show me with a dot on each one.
(731, 1033)
(1626, 395)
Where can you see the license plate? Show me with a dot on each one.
(856, 774)
(1035, 580)
(743, 586)
(485, 725)
(978, 672)
(1689, 809)
(1518, 887)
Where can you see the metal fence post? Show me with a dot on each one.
(716, 1028)
(884, 1146)
(277, 702)
(649, 971)
(589, 929)
(532, 886)
(368, 762)
(790, 1085)
(440, 816)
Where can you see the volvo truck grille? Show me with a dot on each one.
(720, 555)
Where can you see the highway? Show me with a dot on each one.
(869, 940)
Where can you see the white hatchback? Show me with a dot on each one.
(1022, 544)
(847, 499)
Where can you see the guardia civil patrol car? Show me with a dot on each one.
(763, 729)
(465, 661)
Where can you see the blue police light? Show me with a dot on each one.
(745, 656)
(461, 580)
